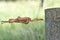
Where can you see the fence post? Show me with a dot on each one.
(52, 23)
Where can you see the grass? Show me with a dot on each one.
(31, 31)
(19, 31)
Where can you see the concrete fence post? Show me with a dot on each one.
(52, 23)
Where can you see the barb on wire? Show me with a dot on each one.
(19, 19)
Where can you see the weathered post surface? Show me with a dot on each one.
(52, 23)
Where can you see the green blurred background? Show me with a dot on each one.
(19, 31)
